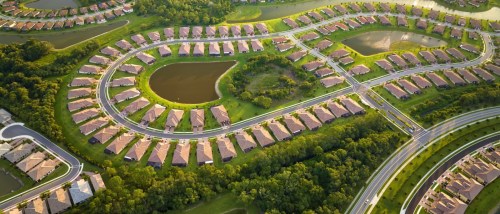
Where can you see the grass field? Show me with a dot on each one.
(487, 200)
(225, 203)
(393, 198)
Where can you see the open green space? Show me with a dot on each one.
(487, 200)
(398, 190)
(226, 203)
(468, 7)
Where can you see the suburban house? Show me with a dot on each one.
(137, 151)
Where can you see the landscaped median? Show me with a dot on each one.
(398, 190)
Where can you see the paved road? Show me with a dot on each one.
(395, 162)
(448, 164)
(14, 131)
(390, 112)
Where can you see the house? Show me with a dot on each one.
(468, 76)
(433, 14)
(337, 109)
(228, 48)
(323, 31)
(104, 135)
(90, 69)
(262, 28)
(263, 136)
(309, 120)
(352, 106)
(59, 201)
(152, 114)
(154, 36)
(181, 154)
(475, 24)
(93, 125)
(236, 30)
(126, 95)
(135, 106)
(204, 153)
(402, 21)
(245, 141)
(411, 58)
(439, 29)
(48, 26)
(221, 115)
(4, 148)
(110, 51)
(43, 169)
(316, 16)
(422, 24)
(248, 28)
(332, 81)
(223, 31)
(243, 46)
(296, 56)
(456, 33)
(284, 47)
(479, 169)
(158, 155)
(214, 49)
(323, 114)
(384, 20)
(184, 49)
(100, 19)
(461, 21)
(173, 119)
(197, 32)
(346, 60)
(322, 72)
(184, 32)
(257, 45)
(428, 56)
(309, 36)
(38, 26)
(31, 161)
(79, 104)
(80, 191)
(396, 91)
(119, 143)
(324, 44)
(449, 18)
(369, 6)
(341, 9)
(210, 31)
(100, 60)
(291, 23)
(139, 39)
(124, 44)
(304, 19)
(169, 33)
(279, 131)
(483, 74)
(128, 8)
(456, 53)
(495, 26)
(197, 119)
(82, 81)
(396, 59)
(131, 68)
(341, 26)
(226, 149)
(446, 204)
(409, 87)
(79, 92)
(386, 65)
(416, 11)
(118, 12)
(311, 66)
(437, 80)
(37, 205)
(493, 68)
(329, 12)
(146, 58)
(199, 49)
(137, 151)
(470, 48)
(421, 81)
(466, 188)
(362, 20)
(293, 124)
(385, 7)
(401, 8)
(441, 55)
(164, 51)
(355, 7)
(359, 69)
(97, 182)
(339, 54)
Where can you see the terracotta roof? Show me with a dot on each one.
(106, 134)
(146, 58)
(410, 57)
(135, 106)
(279, 131)
(422, 24)
(446, 204)
(421, 81)
(226, 149)
(124, 44)
(328, 12)
(483, 74)
(311, 66)
(284, 47)
(323, 72)
(181, 154)
(93, 125)
(340, 8)
(127, 94)
(131, 68)
(214, 48)
(228, 48)
(309, 36)
(437, 80)
(408, 86)
(242, 46)
(441, 55)
(59, 201)
(309, 120)
(36, 206)
(369, 6)
(323, 44)
(79, 92)
(169, 32)
(101, 60)
(385, 7)
(197, 118)
(223, 31)
(197, 31)
(185, 49)
(263, 136)
(262, 28)
(138, 149)
(304, 19)
(153, 113)
(164, 50)
(464, 186)
(315, 16)
(352, 106)
(428, 56)
(19, 152)
(469, 48)
(396, 59)
(31, 161)
(323, 114)
(97, 182)
(396, 91)
(139, 39)
(359, 69)
(199, 49)
(85, 115)
(220, 115)
(293, 124)
(204, 153)
(339, 53)
(184, 32)
(124, 81)
(248, 28)
(43, 169)
(158, 155)
(331, 81)
(493, 68)
(384, 20)
(468, 76)
(439, 29)
(355, 7)
(295, 56)
(173, 119)
(384, 64)
(79, 104)
(456, 53)
(119, 143)
(245, 141)
(236, 30)
(257, 45)
(110, 51)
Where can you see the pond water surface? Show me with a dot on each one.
(52, 4)
(8, 183)
(375, 42)
(189, 83)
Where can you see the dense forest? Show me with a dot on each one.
(454, 102)
(318, 172)
(187, 12)
(273, 78)
(25, 91)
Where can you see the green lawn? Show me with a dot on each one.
(487, 200)
(224, 203)
(244, 13)
(393, 198)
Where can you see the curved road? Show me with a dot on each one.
(18, 130)
(445, 166)
(384, 174)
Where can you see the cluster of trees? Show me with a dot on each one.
(23, 89)
(454, 102)
(189, 12)
(318, 172)
(288, 83)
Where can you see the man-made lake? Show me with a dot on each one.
(61, 39)
(189, 83)
(277, 11)
(8, 183)
(52, 4)
(375, 42)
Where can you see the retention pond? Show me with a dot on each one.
(8, 183)
(375, 42)
(189, 83)
(52, 4)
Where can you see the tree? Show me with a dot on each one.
(263, 101)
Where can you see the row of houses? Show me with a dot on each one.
(62, 199)
(28, 158)
(463, 182)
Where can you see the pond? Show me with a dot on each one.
(61, 39)
(375, 42)
(277, 11)
(189, 83)
(52, 4)
(9, 183)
